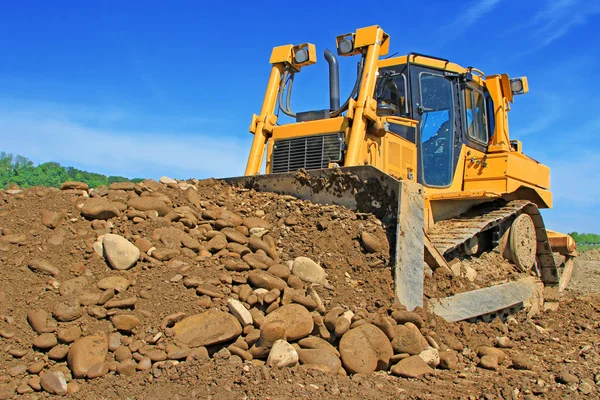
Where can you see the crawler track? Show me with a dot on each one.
(448, 235)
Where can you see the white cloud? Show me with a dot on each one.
(43, 137)
(466, 18)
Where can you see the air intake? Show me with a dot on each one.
(309, 152)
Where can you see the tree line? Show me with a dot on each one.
(16, 169)
(585, 238)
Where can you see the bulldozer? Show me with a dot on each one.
(423, 144)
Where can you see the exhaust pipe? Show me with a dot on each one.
(334, 80)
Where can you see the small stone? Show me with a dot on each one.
(52, 219)
(36, 367)
(219, 242)
(166, 180)
(70, 334)
(320, 357)
(240, 312)
(97, 370)
(448, 359)
(431, 356)
(282, 354)
(117, 283)
(566, 378)
(66, 312)
(44, 266)
(17, 370)
(120, 252)
(280, 271)
(402, 317)
(73, 286)
(125, 322)
(308, 270)
(156, 355)
(38, 320)
(263, 279)
(122, 353)
(504, 342)
(59, 352)
(317, 343)
(371, 243)
(484, 350)
(73, 185)
(54, 382)
(520, 361)
(489, 361)
(412, 367)
(127, 368)
(144, 364)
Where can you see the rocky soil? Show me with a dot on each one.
(201, 290)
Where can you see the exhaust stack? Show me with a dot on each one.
(334, 80)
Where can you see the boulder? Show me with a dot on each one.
(308, 270)
(120, 252)
(297, 320)
(208, 328)
(99, 208)
(365, 349)
(85, 353)
(282, 354)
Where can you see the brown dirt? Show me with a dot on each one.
(554, 342)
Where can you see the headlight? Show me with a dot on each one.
(301, 56)
(516, 85)
(346, 46)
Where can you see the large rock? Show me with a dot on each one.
(282, 354)
(365, 349)
(411, 367)
(308, 270)
(99, 208)
(210, 327)
(120, 252)
(54, 382)
(149, 203)
(85, 353)
(297, 320)
(254, 222)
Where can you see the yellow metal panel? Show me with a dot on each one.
(319, 127)
(369, 36)
(429, 62)
(528, 170)
(281, 54)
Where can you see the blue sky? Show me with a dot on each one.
(153, 88)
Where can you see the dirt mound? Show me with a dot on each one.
(200, 289)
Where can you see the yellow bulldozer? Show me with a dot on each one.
(423, 144)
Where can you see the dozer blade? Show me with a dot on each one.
(397, 203)
(484, 301)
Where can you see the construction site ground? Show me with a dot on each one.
(51, 260)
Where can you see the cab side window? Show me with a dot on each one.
(475, 115)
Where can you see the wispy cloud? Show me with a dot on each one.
(44, 136)
(555, 19)
(465, 18)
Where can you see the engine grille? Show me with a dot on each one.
(309, 152)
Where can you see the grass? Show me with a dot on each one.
(586, 247)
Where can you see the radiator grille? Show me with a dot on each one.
(309, 152)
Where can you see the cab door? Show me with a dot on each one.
(434, 106)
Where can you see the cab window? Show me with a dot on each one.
(475, 115)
